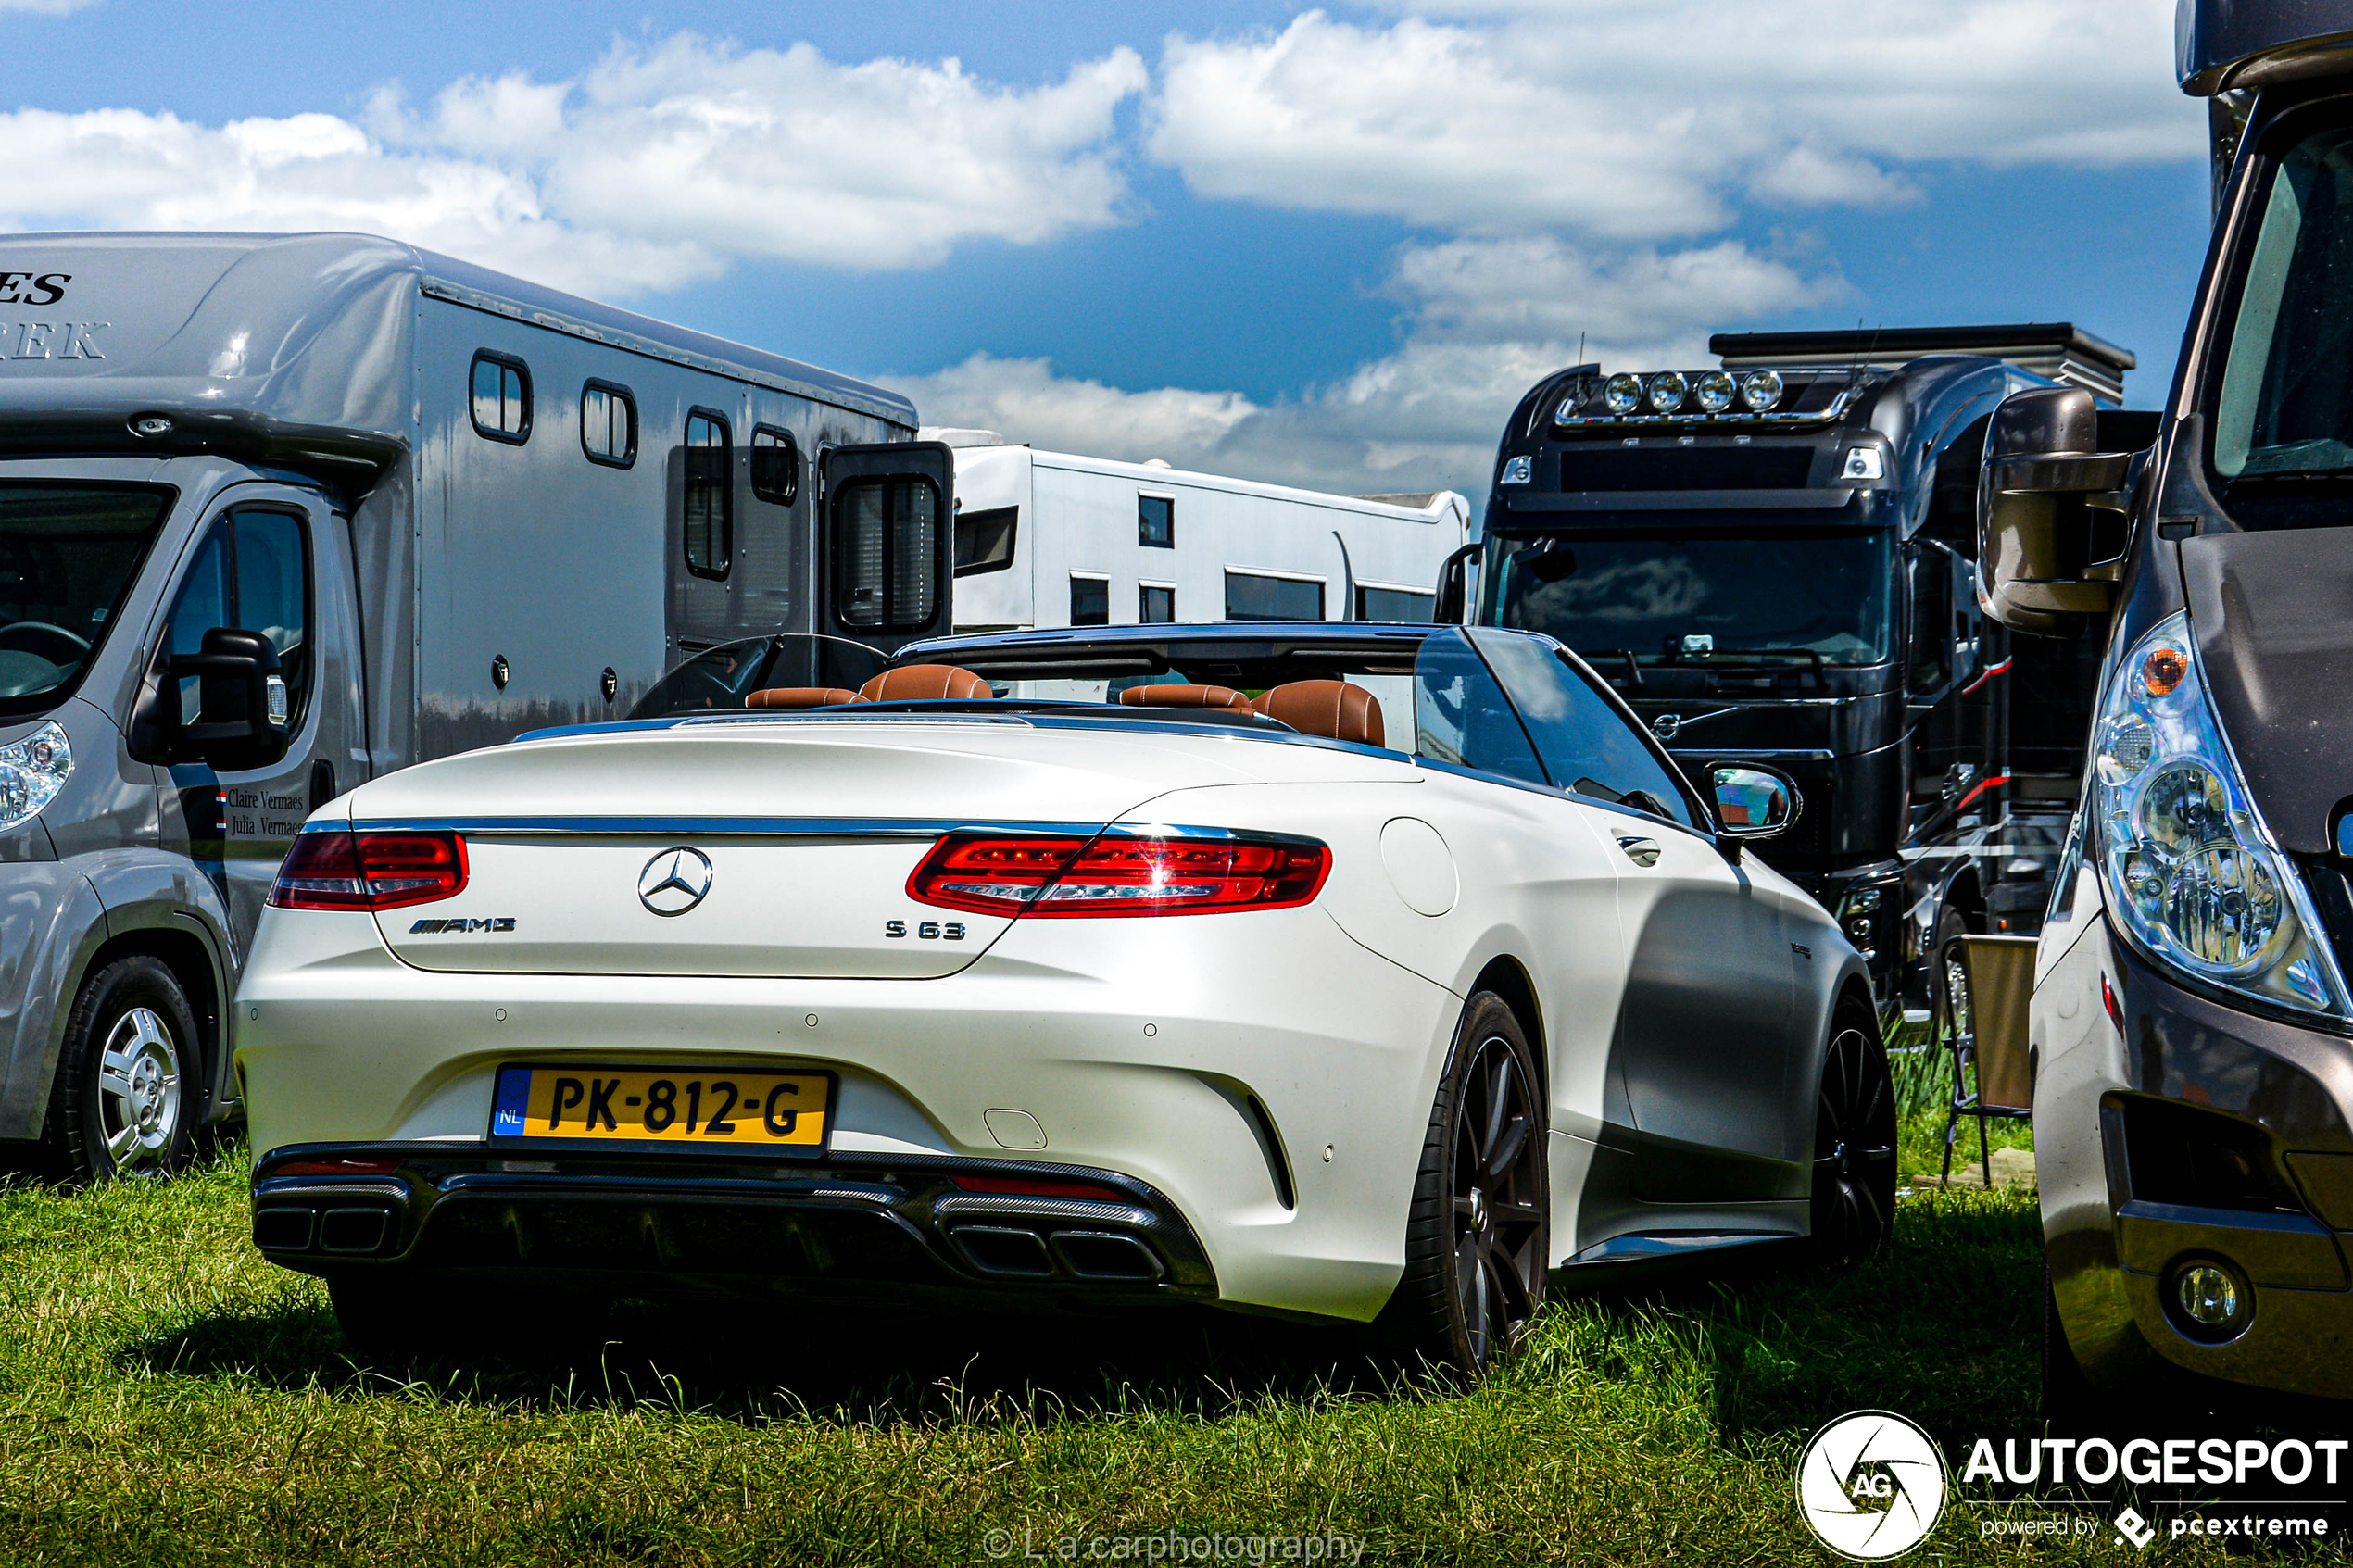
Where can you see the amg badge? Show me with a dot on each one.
(453, 927)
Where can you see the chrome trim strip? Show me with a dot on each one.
(912, 828)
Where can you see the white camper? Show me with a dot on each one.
(1050, 539)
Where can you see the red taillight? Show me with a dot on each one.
(336, 869)
(1070, 878)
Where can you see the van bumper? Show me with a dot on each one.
(50, 922)
(2192, 1134)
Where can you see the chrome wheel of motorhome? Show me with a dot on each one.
(1477, 1242)
(1853, 1142)
(127, 1091)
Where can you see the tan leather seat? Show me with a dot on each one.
(925, 682)
(802, 696)
(1183, 696)
(1332, 709)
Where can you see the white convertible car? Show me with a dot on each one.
(1053, 966)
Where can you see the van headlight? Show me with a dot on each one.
(31, 771)
(2192, 874)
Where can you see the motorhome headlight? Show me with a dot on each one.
(1760, 390)
(1666, 391)
(2193, 878)
(1714, 392)
(1622, 394)
(31, 771)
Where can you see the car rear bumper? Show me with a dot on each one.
(637, 1225)
(2124, 1210)
(1264, 1077)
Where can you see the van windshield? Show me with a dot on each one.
(2284, 415)
(1776, 594)
(68, 554)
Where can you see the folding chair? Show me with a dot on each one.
(1984, 986)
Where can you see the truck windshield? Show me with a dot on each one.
(1773, 594)
(2284, 416)
(68, 554)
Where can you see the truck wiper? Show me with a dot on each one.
(1633, 665)
(1736, 655)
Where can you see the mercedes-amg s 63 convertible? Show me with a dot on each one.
(1361, 972)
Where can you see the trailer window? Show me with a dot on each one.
(1394, 604)
(501, 397)
(1251, 596)
(775, 465)
(609, 424)
(710, 518)
(1156, 522)
(984, 540)
(885, 554)
(69, 555)
(1091, 601)
(1155, 603)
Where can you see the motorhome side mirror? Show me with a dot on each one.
(2050, 536)
(1754, 803)
(241, 706)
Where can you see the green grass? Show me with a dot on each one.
(167, 1398)
(1923, 1089)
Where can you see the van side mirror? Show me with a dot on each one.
(241, 704)
(1753, 804)
(2050, 513)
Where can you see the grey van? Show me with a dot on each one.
(281, 513)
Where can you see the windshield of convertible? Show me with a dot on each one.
(1773, 592)
(68, 554)
(1492, 701)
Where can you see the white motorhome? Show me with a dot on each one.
(1051, 539)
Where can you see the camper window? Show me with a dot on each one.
(1393, 604)
(984, 540)
(1155, 603)
(609, 424)
(1156, 522)
(501, 397)
(885, 554)
(1252, 596)
(1090, 601)
(775, 465)
(710, 522)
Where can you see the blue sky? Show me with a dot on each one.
(1329, 247)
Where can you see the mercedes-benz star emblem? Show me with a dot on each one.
(674, 881)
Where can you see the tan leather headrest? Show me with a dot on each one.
(1331, 709)
(925, 682)
(1183, 696)
(802, 696)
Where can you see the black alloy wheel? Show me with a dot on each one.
(1479, 1234)
(1853, 1141)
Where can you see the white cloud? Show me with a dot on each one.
(656, 168)
(1651, 121)
(1488, 318)
(47, 7)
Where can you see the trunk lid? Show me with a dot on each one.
(798, 835)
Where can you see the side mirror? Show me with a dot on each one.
(1453, 587)
(241, 704)
(2050, 536)
(1753, 804)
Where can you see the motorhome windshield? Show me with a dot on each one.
(68, 554)
(1770, 592)
(2283, 413)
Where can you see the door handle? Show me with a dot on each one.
(1642, 851)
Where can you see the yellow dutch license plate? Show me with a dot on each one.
(702, 1108)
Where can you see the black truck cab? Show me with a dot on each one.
(1774, 561)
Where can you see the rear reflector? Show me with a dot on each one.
(337, 1168)
(336, 869)
(1067, 878)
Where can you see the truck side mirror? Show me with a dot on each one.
(241, 706)
(2050, 537)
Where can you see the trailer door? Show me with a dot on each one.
(888, 558)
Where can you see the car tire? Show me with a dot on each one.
(1479, 1233)
(129, 1089)
(1853, 1186)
